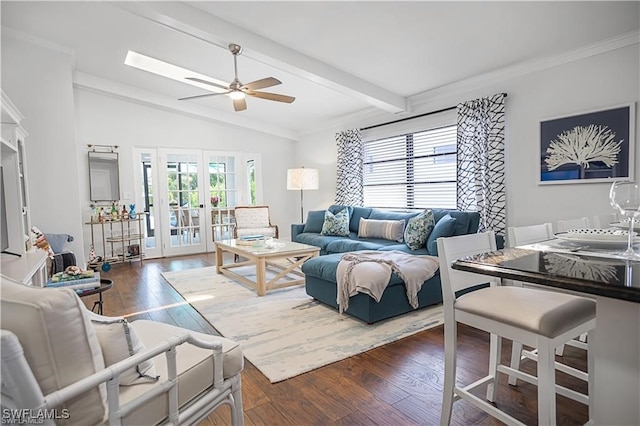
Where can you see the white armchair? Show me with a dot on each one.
(254, 220)
(53, 365)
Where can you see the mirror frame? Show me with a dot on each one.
(104, 176)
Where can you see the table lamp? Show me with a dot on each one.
(302, 179)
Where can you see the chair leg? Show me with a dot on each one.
(237, 412)
(546, 383)
(591, 367)
(450, 345)
(495, 349)
(516, 357)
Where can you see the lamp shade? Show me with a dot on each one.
(302, 178)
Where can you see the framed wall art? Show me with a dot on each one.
(596, 146)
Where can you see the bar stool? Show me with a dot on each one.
(578, 223)
(537, 318)
(519, 236)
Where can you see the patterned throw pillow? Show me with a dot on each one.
(418, 229)
(385, 229)
(336, 224)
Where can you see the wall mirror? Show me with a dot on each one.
(104, 176)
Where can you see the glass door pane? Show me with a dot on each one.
(223, 195)
(145, 177)
(184, 194)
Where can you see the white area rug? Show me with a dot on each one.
(286, 332)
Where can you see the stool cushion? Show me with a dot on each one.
(194, 369)
(539, 311)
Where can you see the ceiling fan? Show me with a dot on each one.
(237, 91)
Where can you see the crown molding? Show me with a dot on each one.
(40, 42)
(445, 93)
(523, 68)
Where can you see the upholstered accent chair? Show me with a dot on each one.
(254, 220)
(60, 359)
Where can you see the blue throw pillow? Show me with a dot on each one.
(315, 219)
(443, 228)
(337, 224)
(418, 230)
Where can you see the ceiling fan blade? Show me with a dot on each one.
(210, 83)
(239, 104)
(262, 83)
(202, 96)
(272, 96)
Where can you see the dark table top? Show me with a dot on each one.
(610, 277)
(104, 285)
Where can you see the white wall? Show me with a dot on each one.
(38, 81)
(595, 82)
(61, 121)
(105, 120)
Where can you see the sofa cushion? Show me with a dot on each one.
(59, 344)
(404, 248)
(386, 229)
(445, 227)
(118, 342)
(391, 215)
(418, 229)
(463, 220)
(336, 224)
(326, 267)
(194, 369)
(344, 245)
(467, 221)
(315, 219)
(357, 214)
(337, 208)
(318, 240)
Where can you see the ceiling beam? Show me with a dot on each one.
(211, 29)
(95, 84)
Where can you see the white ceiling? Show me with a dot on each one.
(337, 58)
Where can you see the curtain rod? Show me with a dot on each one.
(415, 116)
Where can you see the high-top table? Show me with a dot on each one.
(285, 257)
(615, 285)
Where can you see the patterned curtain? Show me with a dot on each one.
(481, 161)
(349, 181)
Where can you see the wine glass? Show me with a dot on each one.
(625, 197)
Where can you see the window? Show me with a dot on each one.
(251, 179)
(413, 170)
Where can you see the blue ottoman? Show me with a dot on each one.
(321, 284)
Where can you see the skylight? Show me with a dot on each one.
(174, 72)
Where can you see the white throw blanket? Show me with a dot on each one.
(369, 272)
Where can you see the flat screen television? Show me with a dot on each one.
(4, 237)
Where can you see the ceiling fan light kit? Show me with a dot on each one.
(237, 91)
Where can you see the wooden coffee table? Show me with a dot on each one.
(264, 257)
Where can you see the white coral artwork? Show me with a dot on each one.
(583, 145)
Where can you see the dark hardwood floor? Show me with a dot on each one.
(396, 384)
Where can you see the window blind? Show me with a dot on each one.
(413, 170)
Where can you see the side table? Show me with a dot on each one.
(104, 286)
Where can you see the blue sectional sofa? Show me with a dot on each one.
(320, 272)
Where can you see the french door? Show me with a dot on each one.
(182, 195)
(190, 197)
